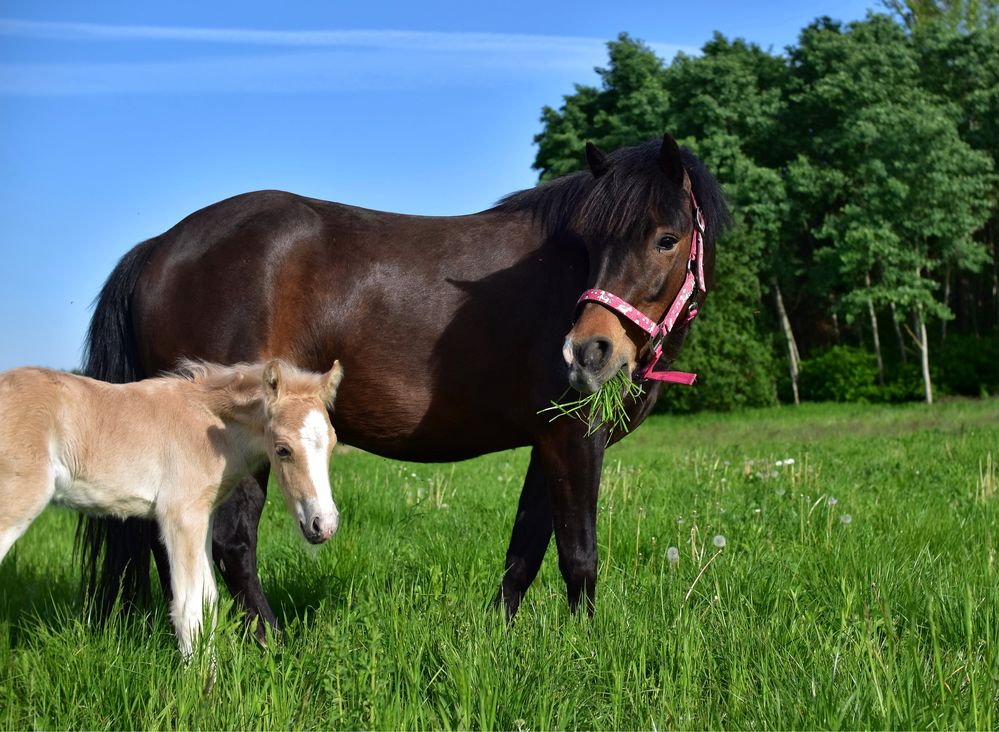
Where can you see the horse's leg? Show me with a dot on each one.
(532, 532)
(192, 577)
(572, 464)
(234, 545)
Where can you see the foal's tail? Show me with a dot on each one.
(114, 553)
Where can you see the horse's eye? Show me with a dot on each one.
(666, 243)
(283, 452)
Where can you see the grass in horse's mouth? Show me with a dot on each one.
(606, 406)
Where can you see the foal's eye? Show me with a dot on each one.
(666, 243)
(282, 451)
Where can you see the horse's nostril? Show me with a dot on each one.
(317, 527)
(594, 354)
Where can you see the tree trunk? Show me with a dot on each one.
(898, 334)
(874, 330)
(995, 282)
(792, 347)
(946, 299)
(924, 354)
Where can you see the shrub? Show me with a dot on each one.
(968, 365)
(840, 374)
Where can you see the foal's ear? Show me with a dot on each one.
(330, 384)
(670, 161)
(272, 382)
(596, 159)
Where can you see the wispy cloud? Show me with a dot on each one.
(311, 60)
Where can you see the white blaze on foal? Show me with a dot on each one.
(315, 438)
(170, 448)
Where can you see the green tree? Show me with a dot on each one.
(962, 68)
(729, 105)
(891, 190)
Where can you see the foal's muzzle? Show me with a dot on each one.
(320, 526)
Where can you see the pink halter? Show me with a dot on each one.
(658, 332)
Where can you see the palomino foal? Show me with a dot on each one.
(170, 448)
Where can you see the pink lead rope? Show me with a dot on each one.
(658, 332)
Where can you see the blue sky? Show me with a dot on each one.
(117, 119)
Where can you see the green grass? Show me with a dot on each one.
(801, 621)
(607, 406)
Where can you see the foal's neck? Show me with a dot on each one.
(245, 424)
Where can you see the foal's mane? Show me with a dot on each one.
(241, 384)
(618, 203)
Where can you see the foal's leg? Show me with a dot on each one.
(22, 499)
(532, 532)
(192, 577)
(234, 545)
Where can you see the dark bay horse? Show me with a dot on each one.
(452, 332)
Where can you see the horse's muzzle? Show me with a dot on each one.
(591, 362)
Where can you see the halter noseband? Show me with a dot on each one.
(658, 332)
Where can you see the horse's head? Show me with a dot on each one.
(638, 222)
(300, 440)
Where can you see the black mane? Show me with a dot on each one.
(617, 204)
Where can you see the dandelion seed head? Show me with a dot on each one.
(832, 501)
(673, 554)
(719, 541)
(845, 518)
(780, 492)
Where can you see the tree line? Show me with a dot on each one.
(860, 165)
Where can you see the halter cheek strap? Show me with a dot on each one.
(686, 298)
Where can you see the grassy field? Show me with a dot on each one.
(857, 588)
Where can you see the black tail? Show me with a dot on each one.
(114, 553)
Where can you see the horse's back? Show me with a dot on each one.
(423, 311)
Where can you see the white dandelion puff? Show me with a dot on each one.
(845, 518)
(719, 541)
(832, 501)
(673, 555)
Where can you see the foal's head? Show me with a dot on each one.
(300, 440)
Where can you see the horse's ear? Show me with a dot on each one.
(670, 161)
(272, 382)
(596, 159)
(330, 384)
